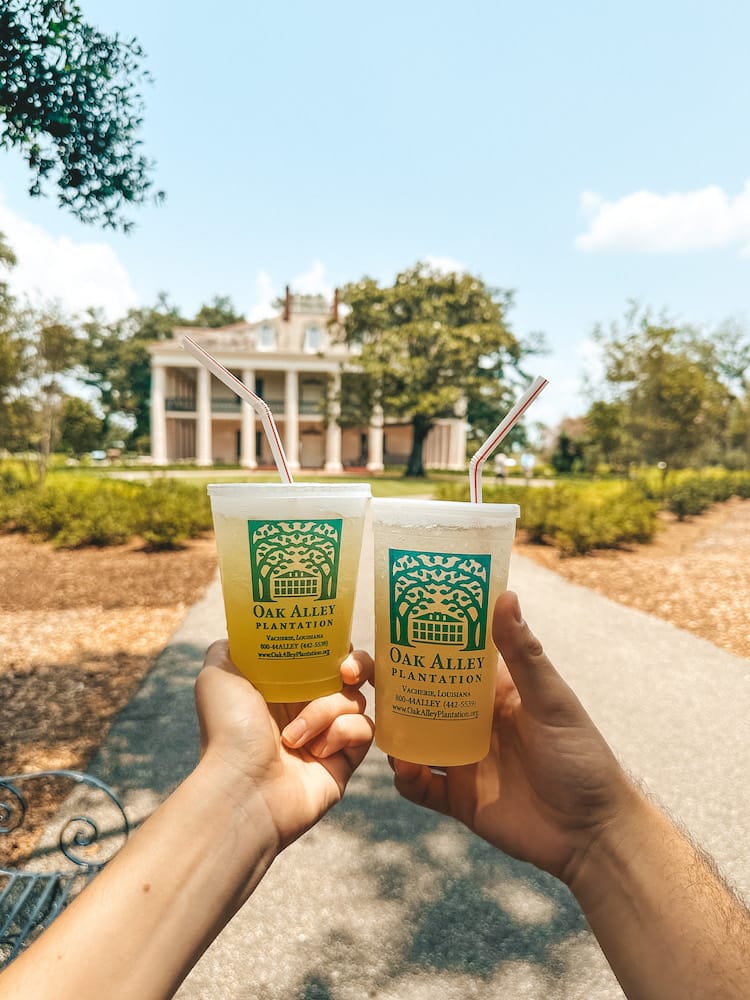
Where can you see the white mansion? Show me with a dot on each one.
(292, 362)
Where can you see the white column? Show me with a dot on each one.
(248, 458)
(459, 435)
(291, 419)
(333, 430)
(158, 416)
(458, 439)
(203, 448)
(375, 441)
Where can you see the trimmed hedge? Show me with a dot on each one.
(72, 513)
(578, 517)
(575, 518)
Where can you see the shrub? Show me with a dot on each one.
(691, 495)
(741, 485)
(12, 480)
(77, 511)
(575, 518)
(602, 519)
(170, 512)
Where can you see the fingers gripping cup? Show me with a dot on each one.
(288, 556)
(439, 568)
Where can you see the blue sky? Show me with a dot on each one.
(582, 154)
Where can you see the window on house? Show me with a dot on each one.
(266, 338)
(313, 339)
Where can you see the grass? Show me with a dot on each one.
(386, 484)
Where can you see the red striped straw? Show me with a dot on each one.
(481, 455)
(259, 405)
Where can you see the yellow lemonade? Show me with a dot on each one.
(289, 558)
(439, 568)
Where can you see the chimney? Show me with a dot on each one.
(335, 315)
(287, 305)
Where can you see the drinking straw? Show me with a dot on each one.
(484, 451)
(259, 405)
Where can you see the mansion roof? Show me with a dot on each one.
(303, 329)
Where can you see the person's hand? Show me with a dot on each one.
(550, 783)
(298, 758)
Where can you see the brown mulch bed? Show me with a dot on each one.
(695, 574)
(79, 629)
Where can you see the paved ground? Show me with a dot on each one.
(384, 900)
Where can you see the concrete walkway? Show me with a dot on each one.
(385, 900)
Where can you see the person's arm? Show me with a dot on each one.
(552, 793)
(141, 925)
(664, 917)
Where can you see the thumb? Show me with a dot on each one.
(543, 692)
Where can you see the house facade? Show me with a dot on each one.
(292, 362)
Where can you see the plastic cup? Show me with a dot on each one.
(439, 568)
(288, 556)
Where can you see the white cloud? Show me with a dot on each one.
(313, 281)
(264, 298)
(446, 265)
(77, 275)
(647, 222)
(310, 282)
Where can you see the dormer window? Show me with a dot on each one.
(266, 338)
(313, 339)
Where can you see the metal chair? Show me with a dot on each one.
(87, 830)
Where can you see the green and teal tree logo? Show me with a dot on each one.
(294, 559)
(440, 598)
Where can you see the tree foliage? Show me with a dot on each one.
(70, 102)
(431, 345)
(218, 312)
(11, 347)
(667, 393)
(47, 350)
(117, 362)
(81, 430)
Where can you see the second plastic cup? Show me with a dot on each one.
(289, 555)
(439, 568)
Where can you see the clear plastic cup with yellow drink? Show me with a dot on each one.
(289, 556)
(439, 568)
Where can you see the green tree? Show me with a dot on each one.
(117, 362)
(47, 351)
(666, 383)
(11, 344)
(54, 351)
(607, 440)
(431, 345)
(70, 102)
(219, 311)
(568, 454)
(81, 430)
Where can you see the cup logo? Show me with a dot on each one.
(439, 598)
(294, 559)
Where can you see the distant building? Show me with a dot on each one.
(292, 361)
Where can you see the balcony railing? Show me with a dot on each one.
(182, 403)
(309, 406)
(225, 404)
(231, 404)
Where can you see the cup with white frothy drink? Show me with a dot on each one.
(289, 555)
(439, 568)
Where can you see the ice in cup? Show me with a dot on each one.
(439, 568)
(288, 556)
